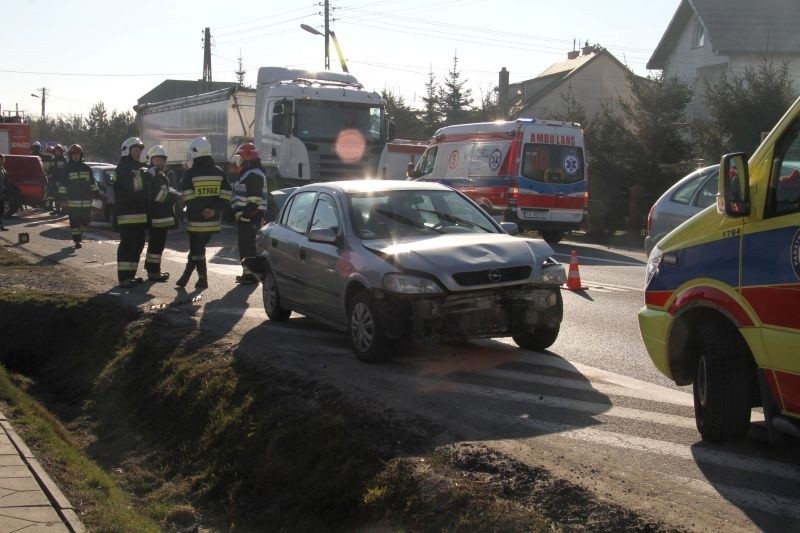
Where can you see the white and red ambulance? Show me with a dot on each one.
(529, 171)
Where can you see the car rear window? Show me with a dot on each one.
(686, 192)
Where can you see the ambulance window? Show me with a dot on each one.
(428, 161)
(786, 185)
(552, 163)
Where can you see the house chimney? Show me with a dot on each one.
(502, 91)
(573, 54)
(587, 49)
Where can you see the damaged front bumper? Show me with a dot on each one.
(470, 315)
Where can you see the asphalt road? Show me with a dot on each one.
(591, 409)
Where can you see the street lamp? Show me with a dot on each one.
(42, 98)
(332, 35)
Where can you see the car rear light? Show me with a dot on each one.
(513, 193)
(650, 218)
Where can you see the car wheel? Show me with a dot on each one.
(366, 334)
(722, 384)
(540, 339)
(552, 235)
(272, 299)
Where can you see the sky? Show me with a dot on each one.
(88, 51)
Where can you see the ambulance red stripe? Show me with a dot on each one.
(715, 297)
(775, 306)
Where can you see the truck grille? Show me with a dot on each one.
(494, 275)
(326, 165)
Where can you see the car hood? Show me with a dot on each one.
(446, 255)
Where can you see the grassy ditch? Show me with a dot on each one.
(148, 426)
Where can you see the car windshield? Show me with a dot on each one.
(398, 214)
(322, 121)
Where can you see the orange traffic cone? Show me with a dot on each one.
(574, 276)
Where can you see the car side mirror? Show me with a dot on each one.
(411, 173)
(733, 198)
(323, 235)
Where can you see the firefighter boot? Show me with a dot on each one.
(187, 273)
(202, 276)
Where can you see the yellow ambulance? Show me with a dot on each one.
(722, 296)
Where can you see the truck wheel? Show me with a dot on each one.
(722, 385)
(540, 339)
(552, 235)
(369, 343)
(272, 299)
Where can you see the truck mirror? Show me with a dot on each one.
(733, 198)
(390, 127)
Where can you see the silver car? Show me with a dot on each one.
(389, 260)
(690, 195)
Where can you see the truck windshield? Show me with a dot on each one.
(322, 121)
(553, 163)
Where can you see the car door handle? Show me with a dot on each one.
(302, 253)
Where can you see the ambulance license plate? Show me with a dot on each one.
(539, 214)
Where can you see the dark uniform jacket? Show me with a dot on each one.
(204, 186)
(250, 195)
(80, 185)
(162, 201)
(57, 177)
(131, 193)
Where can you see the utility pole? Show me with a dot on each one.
(43, 97)
(327, 35)
(207, 59)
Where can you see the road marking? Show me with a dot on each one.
(537, 399)
(612, 261)
(709, 455)
(748, 498)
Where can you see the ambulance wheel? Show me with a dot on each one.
(272, 299)
(552, 235)
(722, 384)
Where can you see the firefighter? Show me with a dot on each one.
(46, 159)
(57, 181)
(249, 204)
(81, 189)
(131, 202)
(162, 213)
(206, 191)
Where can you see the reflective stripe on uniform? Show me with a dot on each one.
(188, 194)
(197, 257)
(126, 267)
(139, 218)
(162, 222)
(204, 227)
(76, 231)
(79, 203)
(153, 258)
(162, 194)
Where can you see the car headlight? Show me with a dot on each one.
(653, 262)
(405, 284)
(552, 273)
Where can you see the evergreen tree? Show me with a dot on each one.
(407, 123)
(455, 101)
(429, 115)
(744, 105)
(572, 110)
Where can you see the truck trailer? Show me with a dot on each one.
(224, 117)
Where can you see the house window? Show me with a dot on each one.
(699, 35)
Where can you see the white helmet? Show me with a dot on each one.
(129, 143)
(198, 148)
(156, 151)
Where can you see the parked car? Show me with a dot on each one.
(104, 175)
(387, 260)
(690, 195)
(27, 182)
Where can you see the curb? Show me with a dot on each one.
(60, 503)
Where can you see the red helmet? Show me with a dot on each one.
(75, 148)
(248, 152)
